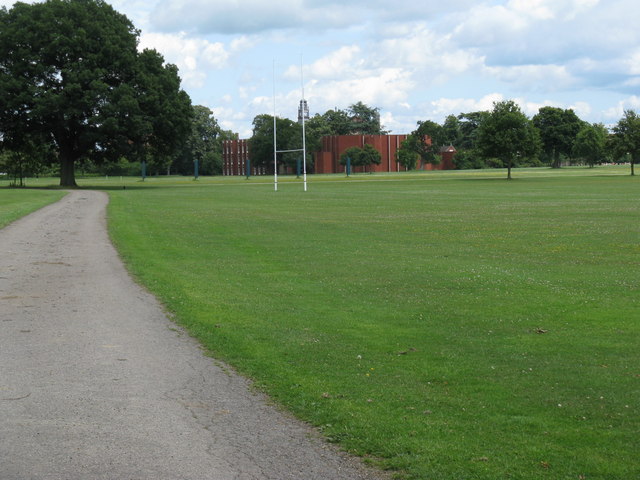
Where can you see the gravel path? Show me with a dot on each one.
(97, 383)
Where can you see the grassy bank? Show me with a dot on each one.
(454, 326)
(15, 202)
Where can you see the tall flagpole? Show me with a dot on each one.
(275, 149)
(304, 139)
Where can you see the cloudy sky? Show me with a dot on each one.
(413, 59)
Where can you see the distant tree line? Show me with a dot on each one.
(78, 95)
(501, 138)
(357, 119)
(505, 137)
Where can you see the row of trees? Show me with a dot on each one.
(77, 91)
(503, 137)
(358, 119)
(506, 137)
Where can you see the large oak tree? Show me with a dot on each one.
(72, 77)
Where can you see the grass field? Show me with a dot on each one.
(445, 325)
(16, 202)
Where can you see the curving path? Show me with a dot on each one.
(97, 383)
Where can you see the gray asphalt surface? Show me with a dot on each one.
(97, 383)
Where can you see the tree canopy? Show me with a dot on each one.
(558, 130)
(627, 137)
(289, 137)
(364, 120)
(590, 143)
(406, 154)
(203, 145)
(507, 134)
(73, 80)
(426, 141)
(361, 157)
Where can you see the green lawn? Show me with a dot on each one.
(453, 325)
(449, 325)
(17, 202)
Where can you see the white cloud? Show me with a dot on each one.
(616, 112)
(582, 109)
(537, 9)
(9, 3)
(444, 106)
(427, 51)
(633, 62)
(230, 119)
(343, 62)
(384, 88)
(489, 25)
(242, 43)
(543, 78)
(551, 9)
(193, 56)
(247, 16)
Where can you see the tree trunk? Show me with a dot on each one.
(67, 172)
(632, 162)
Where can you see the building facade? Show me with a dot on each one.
(236, 158)
(328, 158)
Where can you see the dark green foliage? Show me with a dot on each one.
(337, 122)
(351, 155)
(427, 140)
(72, 78)
(203, 144)
(627, 138)
(289, 137)
(370, 156)
(590, 144)
(357, 119)
(558, 130)
(21, 163)
(406, 155)
(451, 130)
(507, 134)
(470, 159)
(364, 120)
(316, 128)
(361, 157)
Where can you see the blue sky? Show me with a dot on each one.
(414, 60)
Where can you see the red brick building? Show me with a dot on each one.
(328, 158)
(236, 155)
(446, 158)
(235, 158)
